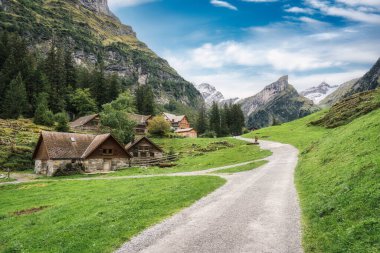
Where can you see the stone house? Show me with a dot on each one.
(144, 148)
(86, 123)
(92, 152)
(187, 132)
(141, 127)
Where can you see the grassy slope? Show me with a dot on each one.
(247, 167)
(198, 154)
(338, 181)
(17, 141)
(92, 216)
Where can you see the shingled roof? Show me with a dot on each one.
(172, 117)
(70, 145)
(138, 118)
(83, 120)
(134, 143)
(183, 130)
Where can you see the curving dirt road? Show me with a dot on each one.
(255, 211)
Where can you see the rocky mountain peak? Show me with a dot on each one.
(209, 93)
(100, 6)
(278, 86)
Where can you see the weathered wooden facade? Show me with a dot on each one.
(92, 152)
(141, 127)
(177, 122)
(86, 123)
(144, 148)
(187, 132)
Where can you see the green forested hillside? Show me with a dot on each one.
(338, 180)
(94, 39)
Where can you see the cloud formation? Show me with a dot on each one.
(224, 4)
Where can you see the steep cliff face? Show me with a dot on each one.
(93, 32)
(277, 103)
(370, 81)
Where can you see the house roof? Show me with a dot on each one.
(138, 118)
(173, 118)
(183, 130)
(71, 145)
(132, 144)
(83, 120)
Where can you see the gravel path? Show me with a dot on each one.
(255, 211)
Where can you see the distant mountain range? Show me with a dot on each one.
(280, 102)
(318, 93)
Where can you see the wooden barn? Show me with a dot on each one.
(187, 132)
(92, 152)
(141, 123)
(177, 122)
(86, 123)
(143, 148)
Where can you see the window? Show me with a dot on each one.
(107, 151)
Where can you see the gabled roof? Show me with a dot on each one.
(71, 145)
(138, 118)
(83, 120)
(183, 130)
(132, 144)
(173, 118)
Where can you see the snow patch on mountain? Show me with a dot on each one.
(318, 93)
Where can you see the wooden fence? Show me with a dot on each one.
(136, 162)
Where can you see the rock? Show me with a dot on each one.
(318, 93)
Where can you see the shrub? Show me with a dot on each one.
(158, 126)
(69, 169)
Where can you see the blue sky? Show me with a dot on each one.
(239, 46)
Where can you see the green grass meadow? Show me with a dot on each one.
(247, 167)
(338, 182)
(91, 216)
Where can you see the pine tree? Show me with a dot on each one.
(224, 114)
(42, 115)
(114, 87)
(215, 119)
(144, 99)
(15, 99)
(62, 122)
(70, 70)
(202, 120)
(238, 120)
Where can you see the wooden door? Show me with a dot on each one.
(107, 164)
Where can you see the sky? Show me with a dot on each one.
(240, 46)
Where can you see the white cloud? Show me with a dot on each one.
(260, 1)
(127, 3)
(374, 3)
(334, 55)
(345, 12)
(312, 21)
(299, 10)
(224, 4)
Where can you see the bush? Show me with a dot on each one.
(158, 126)
(62, 122)
(208, 134)
(69, 169)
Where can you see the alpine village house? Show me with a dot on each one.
(180, 125)
(92, 152)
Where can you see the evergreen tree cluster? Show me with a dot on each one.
(228, 120)
(36, 85)
(144, 100)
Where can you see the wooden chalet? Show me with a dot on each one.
(87, 123)
(92, 152)
(141, 123)
(177, 122)
(143, 148)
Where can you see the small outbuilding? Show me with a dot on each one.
(187, 132)
(143, 148)
(86, 123)
(94, 153)
(141, 127)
